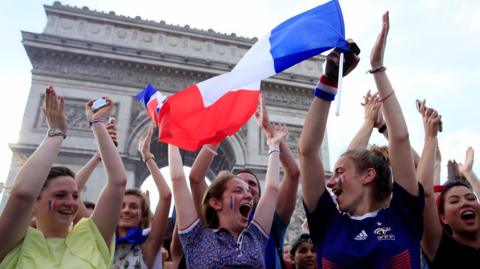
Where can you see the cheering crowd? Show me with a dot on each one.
(383, 206)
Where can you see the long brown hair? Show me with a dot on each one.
(215, 190)
(144, 207)
(377, 158)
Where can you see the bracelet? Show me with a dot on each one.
(274, 149)
(211, 150)
(102, 121)
(382, 128)
(380, 69)
(386, 97)
(98, 157)
(151, 157)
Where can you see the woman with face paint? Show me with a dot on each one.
(369, 222)
(51, 196)
(451, 237)
(227, 239)
(135, 248)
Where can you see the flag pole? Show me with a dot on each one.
(339, 89)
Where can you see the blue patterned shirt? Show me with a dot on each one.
(217, 248)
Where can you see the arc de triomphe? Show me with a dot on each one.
(86, 54)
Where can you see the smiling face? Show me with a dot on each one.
(57, 204)
(131, 213)
(233, 210)
(346, 185)
(461, 211)
(304, 256)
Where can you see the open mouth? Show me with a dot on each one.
(245, 210)
(468, 215)
(337, 192)
(66, 212)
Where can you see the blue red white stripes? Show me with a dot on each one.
(213, 109)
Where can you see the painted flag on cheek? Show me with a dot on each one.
(213, 109)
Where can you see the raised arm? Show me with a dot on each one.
(400, 151)
(107, 210)
(198, 173)
(432, 231)
(311, 168)
(81, 179)
(86, 171)
(267, 203)
(289, 183)
(186, 212)
(467, 171)
(372, 109)
(83, 175)
(28, 183)
(159, 223)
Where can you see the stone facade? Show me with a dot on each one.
(86, 54)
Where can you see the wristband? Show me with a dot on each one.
(151, 157)
(325, 89)
(386, 97)
(380, 69)
(92, 122)
(274, 149)
(382, 128)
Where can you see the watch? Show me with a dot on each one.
(56, 132)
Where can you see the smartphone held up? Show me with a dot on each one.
(99, 103)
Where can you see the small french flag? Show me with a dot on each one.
(153, 101)
(213, 109)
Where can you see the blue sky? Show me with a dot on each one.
(432, 53)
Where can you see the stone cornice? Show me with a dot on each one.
(111, 17)
(151, 40)
(58, 57)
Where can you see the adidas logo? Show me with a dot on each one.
(361, 236)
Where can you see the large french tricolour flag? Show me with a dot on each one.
(213, 109)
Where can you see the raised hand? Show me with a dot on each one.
(144, 144)
(378, 50)
(54, 110)
(372, 107)
(262, 118)
(99, 114)
(453, 170)
(467, 166)
(278, 134)
(431, 121)
(350, 62)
